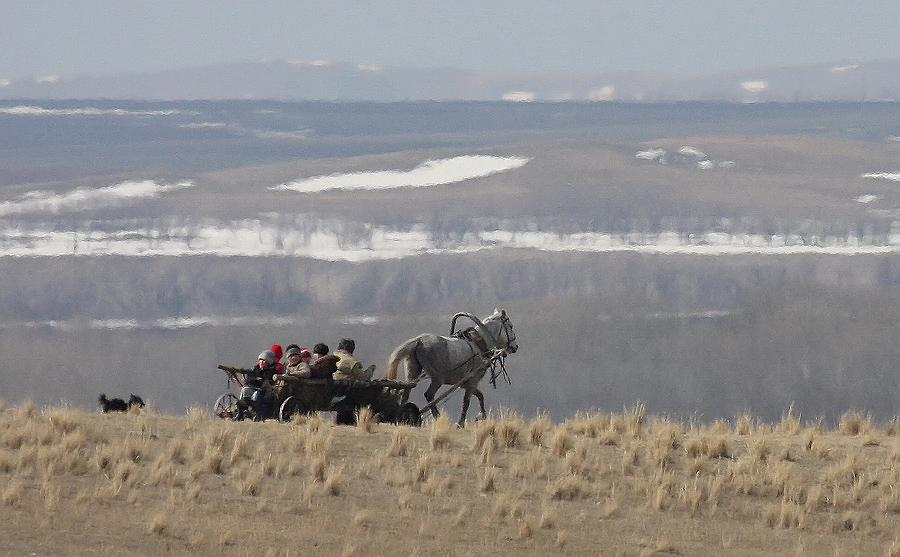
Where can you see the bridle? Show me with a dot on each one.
(498, 355)
(505, 329)
(489, 345)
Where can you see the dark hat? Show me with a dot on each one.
(293, 351)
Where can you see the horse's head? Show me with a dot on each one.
(502, 329)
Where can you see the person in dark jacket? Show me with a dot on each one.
(320, 349)
(256, 388)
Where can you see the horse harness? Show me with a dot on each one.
(489, 349)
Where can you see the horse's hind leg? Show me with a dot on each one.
(413, 371)
(429, 395)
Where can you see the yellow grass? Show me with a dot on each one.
(621, 483)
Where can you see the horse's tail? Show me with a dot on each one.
(398, 355)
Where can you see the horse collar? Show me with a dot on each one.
(477, 337)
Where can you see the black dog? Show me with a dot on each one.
(117, 404)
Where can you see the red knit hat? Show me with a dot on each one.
(276, 349)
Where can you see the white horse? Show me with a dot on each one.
(460, 360)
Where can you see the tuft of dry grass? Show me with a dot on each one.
(363, 518)
(611, 507)
(159, 523)
(484, 434)
(760, 448)
(317, 469)
(400, 441)
(424, 467)
(568, 487)
(784, 515)
(440, 433)
(537, 428)
(509, 429)
(744, 424)
(562, 442)
(854, 423)
(12, 493)
(489, 480)
(249, 480)
(365, 418)
(318, 442)
(789, 424)
(707, 446)
(196, 416)
(333, 483)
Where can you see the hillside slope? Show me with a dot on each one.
(621, 483)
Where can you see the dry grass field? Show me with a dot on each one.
(598, 483)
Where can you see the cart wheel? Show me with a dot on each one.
(345, 416)
(409, 414)
(226, 406)
(386, 408)
(291, 406)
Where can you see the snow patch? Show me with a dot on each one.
(604, 93)
(893, 176)
(692, 152)
(754, 86)
(84, 199)
(27, 110)
(842, 69)
(429, 173)
(202, 125)
(519, 96)
(652, 155)
(305, 236)
(867, 198)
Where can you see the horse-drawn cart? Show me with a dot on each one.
(460, 361)
(290, 396)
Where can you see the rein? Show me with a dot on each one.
(481, 337)
(501, 359)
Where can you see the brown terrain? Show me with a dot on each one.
(612, 484)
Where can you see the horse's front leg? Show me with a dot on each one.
(465, 408)
(480, 396)
(429, 395)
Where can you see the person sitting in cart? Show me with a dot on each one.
(319, 349)
(297, 365)
(277, 352)
(256, 387)
(348, 367)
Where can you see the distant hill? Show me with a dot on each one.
(341, 81)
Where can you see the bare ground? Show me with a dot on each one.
(611, 484)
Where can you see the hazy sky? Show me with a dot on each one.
(65, 37)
